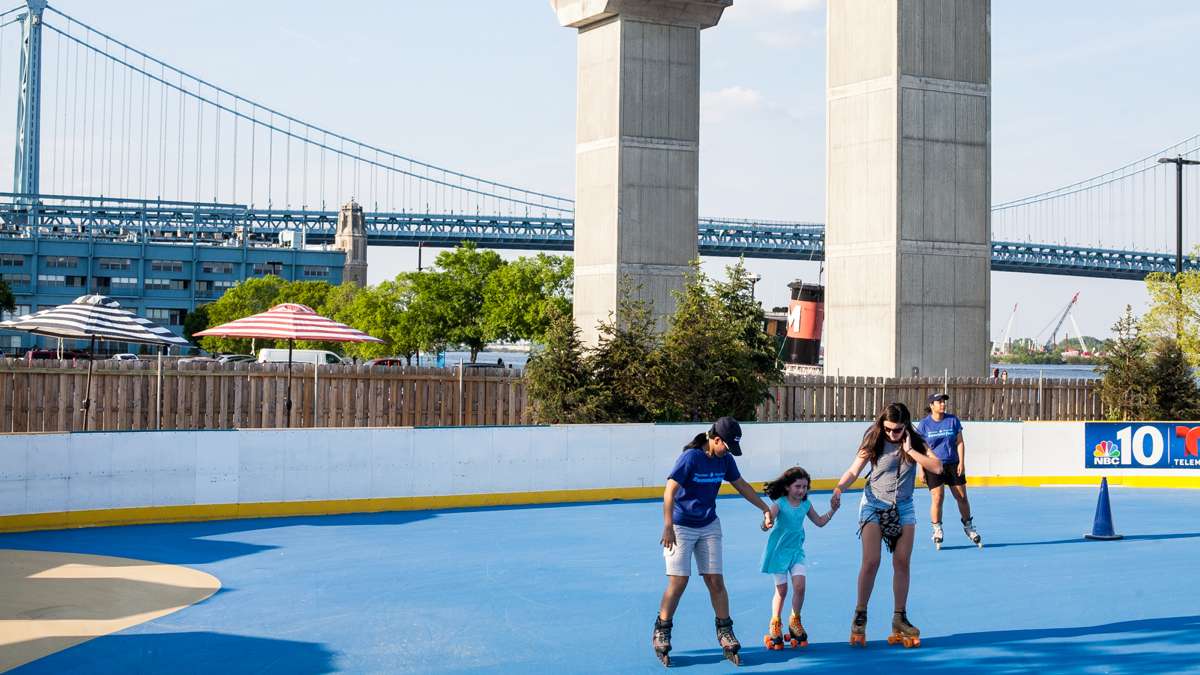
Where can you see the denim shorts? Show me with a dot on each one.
(869, 508)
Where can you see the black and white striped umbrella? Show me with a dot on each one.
(94, 317)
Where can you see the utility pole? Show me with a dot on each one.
(1179, 163)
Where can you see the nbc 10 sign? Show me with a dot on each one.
(1142, 445)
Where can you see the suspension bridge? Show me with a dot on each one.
(113, 144)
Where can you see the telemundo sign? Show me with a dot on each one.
(1142, 445)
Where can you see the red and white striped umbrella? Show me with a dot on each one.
(289, 321)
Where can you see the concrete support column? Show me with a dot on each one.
(908, 221)
(636, 153)
(351, 237)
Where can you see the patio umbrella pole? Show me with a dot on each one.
(87, 388)
(287, 401)
(158, 391)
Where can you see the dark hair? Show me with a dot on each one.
(872, 442)
(779, 487)
(700, 441)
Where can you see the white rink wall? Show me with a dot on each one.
(62, 472)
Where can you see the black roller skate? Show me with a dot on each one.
(774, 637)
(729, 642)
(858, 629)
(904, 632)
(662, 640)
(797, 636)
(969, 529)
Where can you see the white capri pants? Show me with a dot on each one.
(702, 542)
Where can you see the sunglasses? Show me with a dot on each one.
(892, 430)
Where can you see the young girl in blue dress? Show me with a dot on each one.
(783, 555)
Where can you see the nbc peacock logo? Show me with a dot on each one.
(1106, 452)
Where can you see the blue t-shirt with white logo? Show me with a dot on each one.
(700, 477)
(941, 436)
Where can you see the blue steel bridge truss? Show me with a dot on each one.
(57, 216)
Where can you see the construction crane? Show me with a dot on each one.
(1050, 344)
(1002, 347)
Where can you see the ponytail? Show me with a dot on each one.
(700, 442)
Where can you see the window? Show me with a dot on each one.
(275, 268)
(315, 271)
(15, 279)
(119, 282)
(60, 261)
(217, 267)
(21, 310)
(119, 264)
(52, 280)
(76, 282)
(153, 284)
(167, 315)
(10, 260)
(166, 265)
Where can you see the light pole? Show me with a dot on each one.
(1179, 163)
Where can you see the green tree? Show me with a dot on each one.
(380, 311)
(449, 299)
(519, 296)
(246, 298)
(558, 381)
(1174, 310)
(195, 321)
(712, 358)
(1175, 394)
(1126, 386)
(8, 302)
(622, 365)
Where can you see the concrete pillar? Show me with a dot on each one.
(636, 154)
(351, 237)
(908, 222)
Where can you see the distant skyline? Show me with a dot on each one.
(488, 88)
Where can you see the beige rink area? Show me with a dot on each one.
(52, 601)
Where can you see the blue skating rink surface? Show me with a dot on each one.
(574, 588)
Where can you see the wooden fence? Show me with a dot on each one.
(47, 396)
(828, 399)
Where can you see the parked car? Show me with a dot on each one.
(390, 362)
(125, 357)
(316, 356)
(235, 358)
(67, 354)
(196, 359)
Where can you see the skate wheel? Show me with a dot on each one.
(893, 639)
(915, 642)
(858, 640)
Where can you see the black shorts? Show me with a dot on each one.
(948, 476)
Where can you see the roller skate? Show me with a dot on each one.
(797, 636)
(662, 640)
(774, 637)
(904, 632)
(729, 642)
(858, 629)
(969, 529)
(938, 535)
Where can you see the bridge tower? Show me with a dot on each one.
(29, 102)
(636, 153)
(351, 237)
(908, 224)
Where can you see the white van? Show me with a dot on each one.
(315, 356)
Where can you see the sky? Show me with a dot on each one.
(487, 87)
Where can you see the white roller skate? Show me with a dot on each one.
(938, 535)
(969, 529)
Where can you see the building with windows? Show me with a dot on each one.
(161, 281)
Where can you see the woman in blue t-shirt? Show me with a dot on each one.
(691, 528)
(943, 432)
